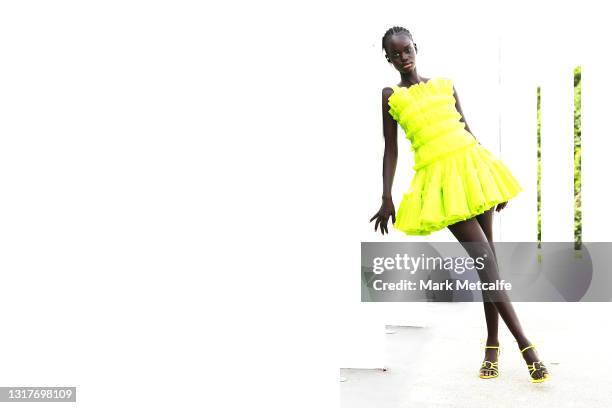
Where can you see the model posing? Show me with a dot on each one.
(458, 183)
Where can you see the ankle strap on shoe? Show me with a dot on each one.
(494, 348)
(527, 348)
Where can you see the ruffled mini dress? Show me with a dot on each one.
(456, 178)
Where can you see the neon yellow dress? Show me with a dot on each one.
(456, 178)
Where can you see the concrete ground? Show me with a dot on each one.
(437, 366)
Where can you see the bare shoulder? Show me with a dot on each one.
(386, 94)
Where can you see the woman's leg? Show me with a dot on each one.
(472, 237)
(491, 316)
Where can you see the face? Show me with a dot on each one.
(401, 52)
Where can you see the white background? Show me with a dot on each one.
(183, 188)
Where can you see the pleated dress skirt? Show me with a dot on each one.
(454, 188)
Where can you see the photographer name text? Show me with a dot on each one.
(408, 285)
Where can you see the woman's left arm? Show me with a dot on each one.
(458, 106)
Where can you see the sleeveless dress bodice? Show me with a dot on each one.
(427, 114)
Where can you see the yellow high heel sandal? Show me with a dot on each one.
(490, 366)
(535, 367)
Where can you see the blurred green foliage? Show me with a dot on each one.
(577, 157)
(539, 178)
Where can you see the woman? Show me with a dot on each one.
(458, 183)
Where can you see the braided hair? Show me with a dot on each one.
(396, 30)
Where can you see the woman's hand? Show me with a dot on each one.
(387, 209)
(501, 206)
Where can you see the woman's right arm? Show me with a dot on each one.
(387, 209)
(390, 135)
